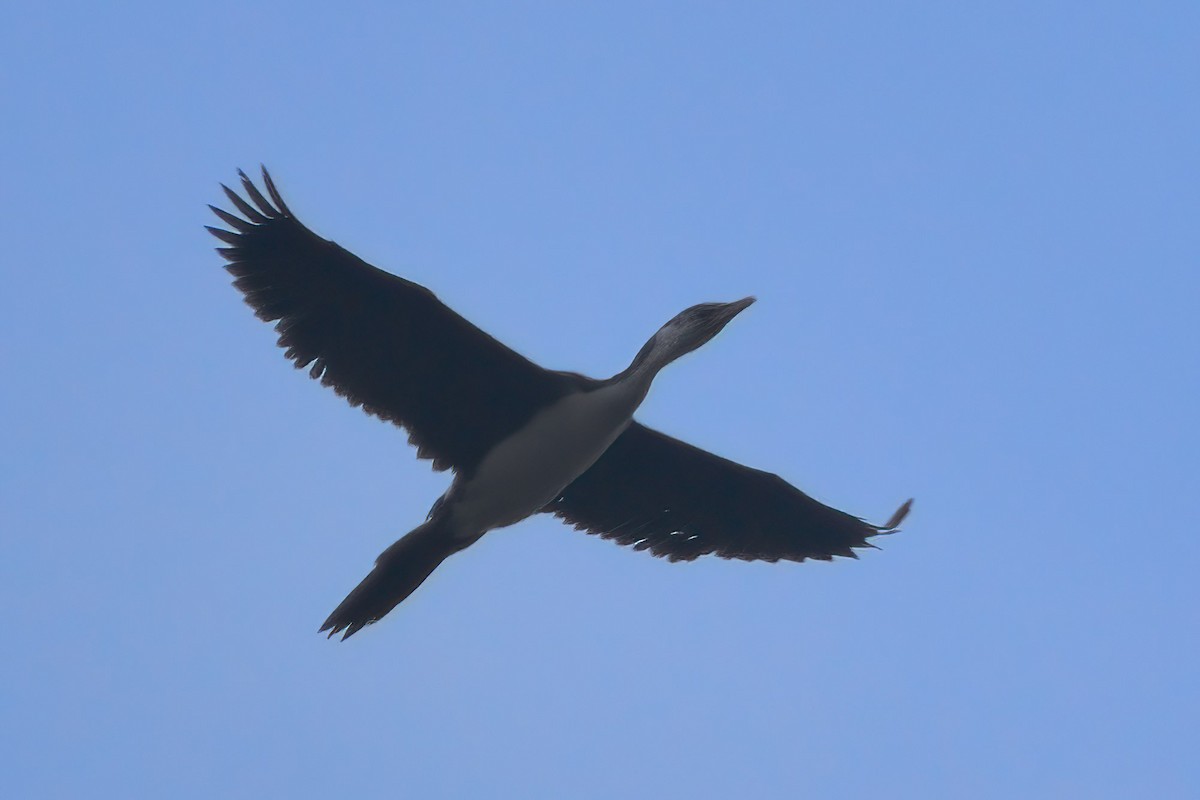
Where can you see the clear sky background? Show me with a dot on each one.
(972, 230)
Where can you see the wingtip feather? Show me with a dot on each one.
(894, 522)
(256, 196)
(231, 220)
(229, 237)
(276, 197)
(247, 210)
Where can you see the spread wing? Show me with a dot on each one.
(659, 494)
(378, 340)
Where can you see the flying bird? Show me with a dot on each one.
(519, 439)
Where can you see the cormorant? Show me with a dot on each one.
(520, 439)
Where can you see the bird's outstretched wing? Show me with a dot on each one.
(659, 494)
(378, 340)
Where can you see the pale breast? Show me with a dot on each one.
(530, 467)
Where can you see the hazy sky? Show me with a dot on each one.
(972, 232)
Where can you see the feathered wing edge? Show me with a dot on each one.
(269, 308)
(384, 343)
(652, 492)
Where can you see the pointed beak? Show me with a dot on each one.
(738, 306)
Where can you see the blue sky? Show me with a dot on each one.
(972, 232)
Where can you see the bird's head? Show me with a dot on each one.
(688, 330)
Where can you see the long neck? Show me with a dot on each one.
(654, 355)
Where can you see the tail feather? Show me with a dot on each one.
(398, 571)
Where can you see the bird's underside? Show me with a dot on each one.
(390, 346)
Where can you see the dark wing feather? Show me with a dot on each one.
(380, 341)
(659, 494)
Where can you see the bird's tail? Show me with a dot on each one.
(398, 571)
